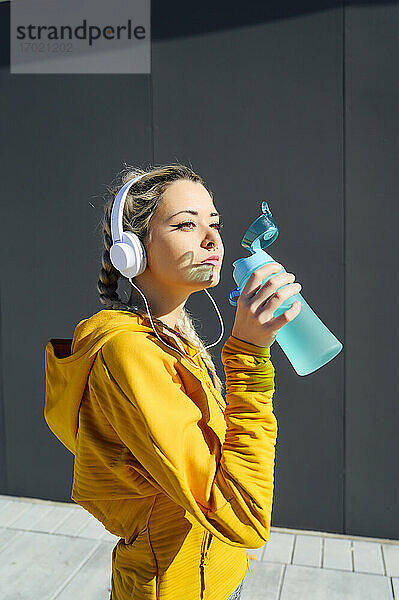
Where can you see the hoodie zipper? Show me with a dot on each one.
(206, 543)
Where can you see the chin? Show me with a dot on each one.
(200, 279)
(213, 280)
(203, 275)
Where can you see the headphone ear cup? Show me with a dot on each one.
(129, 255)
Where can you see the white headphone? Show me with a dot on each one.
(128, 255)
(127, 252)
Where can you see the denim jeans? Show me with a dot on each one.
(236, 595)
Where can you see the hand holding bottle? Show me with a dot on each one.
(254, 322)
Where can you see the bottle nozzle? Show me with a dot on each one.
(265, 208)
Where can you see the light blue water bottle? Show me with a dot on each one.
(306, 341)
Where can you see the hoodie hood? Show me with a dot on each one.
(68, 363)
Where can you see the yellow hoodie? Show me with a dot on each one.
(183, 477)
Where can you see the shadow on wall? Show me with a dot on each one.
(171, 19)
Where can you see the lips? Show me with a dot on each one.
(212, 260)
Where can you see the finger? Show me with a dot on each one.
(258, 276)
(283, 294)
(289, 315)
(272, 286)
(269, 306)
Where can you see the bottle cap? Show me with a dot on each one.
(262, 232)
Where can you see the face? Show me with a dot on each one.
(180, 242)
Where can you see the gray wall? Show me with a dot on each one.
(296, 105)
(371, 257)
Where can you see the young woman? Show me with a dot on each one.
(181, 474)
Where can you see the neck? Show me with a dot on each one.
(164, 303)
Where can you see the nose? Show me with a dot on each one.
(212, 239)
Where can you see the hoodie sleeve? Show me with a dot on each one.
(230, 492)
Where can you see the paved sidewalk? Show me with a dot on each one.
(58, 551)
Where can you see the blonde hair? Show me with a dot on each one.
(141, 204)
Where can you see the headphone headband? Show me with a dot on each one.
(117, 209)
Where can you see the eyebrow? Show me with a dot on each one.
(193, 212)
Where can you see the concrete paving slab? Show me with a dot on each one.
(395, 586)
(279, 548)
(309, 583)
(337, 554)
(94, 578)
(263, 582)
(3, 502)
(391, 557)
(6, 536)
(367, 558)
(307, 551)
(12, 511)
(256, 553)
(109, 537)
(53, 519)
(33, 564)
(30, 516)
(76, 520)
(93, 529)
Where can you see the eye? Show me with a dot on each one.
(186, 224)
(218, 225)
